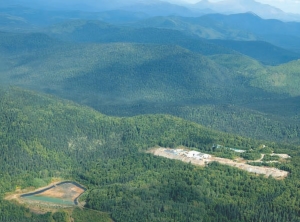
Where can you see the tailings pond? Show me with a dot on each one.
(63, 193)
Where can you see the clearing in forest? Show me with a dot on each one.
(241, 164)
(64, 193)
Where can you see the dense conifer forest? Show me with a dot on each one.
(44, 137)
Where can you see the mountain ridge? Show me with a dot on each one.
(85, 95)
(126, 79)
(168, 7)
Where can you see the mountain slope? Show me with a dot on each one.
(158, 8)
(241, 6)
(204, 27)
(157, 72)
(128, 79)
(245, 26)
(282, 79)
(269, 30)
(42, 137)
(16, 43)
(124, 71)
(24, 19)
(262, 51)
(170, 30)
(101, 32)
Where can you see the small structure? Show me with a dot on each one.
(224, 147)
(237, 150)
(197, 155)
(190, 154)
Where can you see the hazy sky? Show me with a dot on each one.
(285, 5)
(292, 6)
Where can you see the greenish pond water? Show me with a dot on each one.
(50, 199)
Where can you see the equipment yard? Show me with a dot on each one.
(201, 159)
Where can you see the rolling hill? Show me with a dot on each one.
(244, 26)
(44, 137)
(19, 18)
(269, 30)
(282, 79)
(156, 83)
(129, 71)
(102, 32)
(127, 79)
(264, 52)
(95, 31)
(203, 27)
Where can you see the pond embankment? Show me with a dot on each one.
(61, 193)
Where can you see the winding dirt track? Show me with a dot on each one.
(268, 171)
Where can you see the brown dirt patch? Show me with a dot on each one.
(63, 191)
(67, 191)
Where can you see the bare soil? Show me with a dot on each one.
(16, 195)
(66, 191)
(239, 163)
(283, 156)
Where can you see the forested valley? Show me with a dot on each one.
(84, 96)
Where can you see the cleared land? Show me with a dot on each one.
(55, 195)
(63, 193)
(239, 163)
(66, 191)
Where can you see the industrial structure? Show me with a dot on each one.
(190, 154)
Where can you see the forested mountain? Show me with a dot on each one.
(204, 27)
(281, 79)
(24, 19)
(167, 7)
(244, 26)
(117, 69)
(132, 82)
(42, 137)
(101, 32)
(264, 52)
(241, 6)
(95, 31)
(130, 79)
(24, 44)
(283, 34)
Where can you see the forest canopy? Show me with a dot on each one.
(44, 137)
